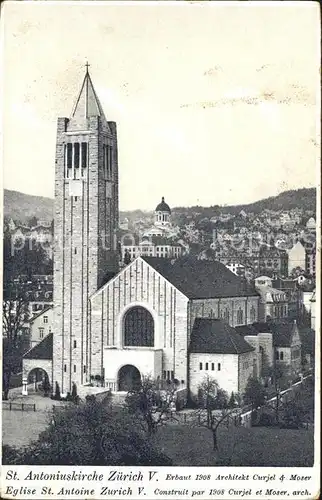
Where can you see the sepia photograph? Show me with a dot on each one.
(160, 273)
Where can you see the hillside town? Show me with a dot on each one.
(217, 307)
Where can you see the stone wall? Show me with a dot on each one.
(147, 361)
(245, 370)
(84, 218)
(226, 377)
(216, 308)
(266, 343)
(253, 340)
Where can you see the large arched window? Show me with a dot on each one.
(138, 328)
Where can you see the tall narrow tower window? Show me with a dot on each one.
(76, 160)
(84, 154)
(105, 162)
(68, 159)
(109, 163)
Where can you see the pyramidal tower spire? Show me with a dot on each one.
(86, 106)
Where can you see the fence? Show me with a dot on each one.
(239, 417)
(10, 405)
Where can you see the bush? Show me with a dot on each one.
(74, 392)
(10, 455)
(57, 395)
(266, 420)
(90, 434)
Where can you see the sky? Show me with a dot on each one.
(214, 103)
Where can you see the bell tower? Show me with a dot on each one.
(86, 221)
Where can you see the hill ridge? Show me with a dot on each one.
(21, 207)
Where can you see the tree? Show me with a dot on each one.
(234, 400)
(14, 315)
(90, 434)
(57, 395)
(254, 394)
(75, 397)
(152, 402)
(208, 414)
(8, 258)
(294, 413)
(46, 385)
(281, 378)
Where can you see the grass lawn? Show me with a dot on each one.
(19, 428)
(258, 446)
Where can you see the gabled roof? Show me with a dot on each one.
(43, 350)
(217, 337)
(40, 313)
(201, 278)
(282, 334)
(244, 330)
(282, 331)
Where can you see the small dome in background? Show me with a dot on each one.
(163, 207)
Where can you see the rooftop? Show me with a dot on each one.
(215, 336)
(163, 207)
(43, 350)
(87, 105)
(202, 278)
(282, 331)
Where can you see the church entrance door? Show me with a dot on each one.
(129, 378)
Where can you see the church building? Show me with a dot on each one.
(172, 319)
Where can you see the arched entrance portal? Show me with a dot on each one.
(39, 379)
(129, 378)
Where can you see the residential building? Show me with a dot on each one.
(294, 295)
(311, 224)
(41, 325)
(296, 257)
(147, 247)
(273, 302)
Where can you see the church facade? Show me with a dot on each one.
(115, 326)
(143, 319)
